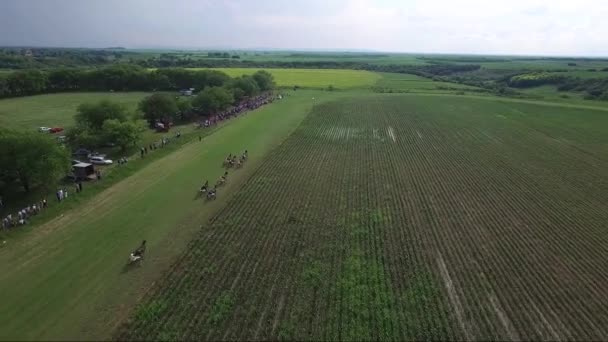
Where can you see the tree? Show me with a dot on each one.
(64, 79)
(184, 107)
(246, 84)
(158, 107)
(213, 99)
(264, 80)
(32, 159)
(92, 115)
(79, 137)
(122, 133)
(27, 82)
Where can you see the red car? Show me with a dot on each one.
(56, 129)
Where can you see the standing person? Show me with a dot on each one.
(199, 139)
(141, 152)
(44, 203)
(80, 186)
(59, 195)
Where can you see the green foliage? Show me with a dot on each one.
(92, 115)
(244, 86)
(79, 137)
(26, 82)
(32, 159)
(102, 123)
(122, 133)
(150, 311)
(534, 79)
(159, 107)
(184, 107)
(182, 78)
(264, 80)
(222, 307)
(119, 77)
(212, 100)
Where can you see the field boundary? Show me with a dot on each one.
(503, 99)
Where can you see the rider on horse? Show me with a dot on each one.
(205, 186)
(139, 252)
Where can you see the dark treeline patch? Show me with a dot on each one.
(121, 77)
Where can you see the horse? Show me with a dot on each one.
(138, 255)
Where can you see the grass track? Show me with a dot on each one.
(66, 279)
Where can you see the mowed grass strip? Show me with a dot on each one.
(53, 110)
(68, 280)
(313, 78)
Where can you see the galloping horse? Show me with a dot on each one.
(138, 254)
(211, 194)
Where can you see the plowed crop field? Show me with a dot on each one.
(400, 218)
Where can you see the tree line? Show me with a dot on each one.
(594, 88)
(120, 77)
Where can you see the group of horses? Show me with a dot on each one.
(231, 161)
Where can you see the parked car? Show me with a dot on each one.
(100, 160)
(82, 152)
(56, 129)
(44, 129)
(96, 154)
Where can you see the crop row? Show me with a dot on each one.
(398, 219)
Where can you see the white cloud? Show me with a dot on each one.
(464, 26)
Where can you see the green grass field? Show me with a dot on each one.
(67, 278)
(314, 78)
(358, 216)
(52, 110)
(405, 217)
(413, 83)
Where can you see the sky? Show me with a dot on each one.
(514, 27)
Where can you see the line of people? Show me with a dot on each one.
(22, 216)
(244, 106)
(143, 151)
